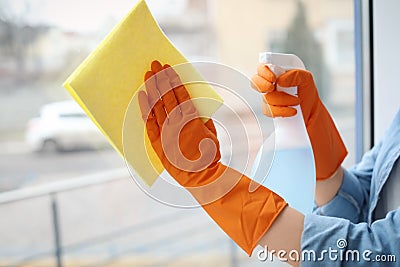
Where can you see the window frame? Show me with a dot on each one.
(364, 75)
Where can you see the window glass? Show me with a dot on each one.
(64, 174)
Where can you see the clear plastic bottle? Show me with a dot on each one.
(292, 172)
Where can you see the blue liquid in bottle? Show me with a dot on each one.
(291, 175)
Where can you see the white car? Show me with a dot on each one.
(63, 126)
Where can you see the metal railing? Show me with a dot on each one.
(51, 190)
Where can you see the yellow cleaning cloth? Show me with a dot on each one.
(106, 83)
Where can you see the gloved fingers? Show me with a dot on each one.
(278, 98)
(156, 66)
(154, 99)
(148, 117)
(295, 77)
(265, 72)
(180, 90)
(164, 87)
(261, 85)
(277, 111)
(210, 126)
(145, 109)
(151, 88)
(264, 80)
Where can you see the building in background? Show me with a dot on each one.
(249, 27)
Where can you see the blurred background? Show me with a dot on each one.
(66, 198)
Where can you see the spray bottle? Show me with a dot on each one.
(292, 172)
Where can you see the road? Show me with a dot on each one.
(19, 167)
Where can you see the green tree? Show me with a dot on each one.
(16, 35)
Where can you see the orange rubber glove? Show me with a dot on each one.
(328, 147)
(189, 151)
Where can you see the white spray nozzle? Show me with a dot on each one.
(285, 61)
(279, 63)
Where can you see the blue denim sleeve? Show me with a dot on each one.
(328, 241)
(349, 201)
(352, 199)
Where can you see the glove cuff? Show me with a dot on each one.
(244, 215)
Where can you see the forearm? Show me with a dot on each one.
(327, 189)
(286, 232)
(285, 235)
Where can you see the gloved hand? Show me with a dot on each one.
(189, 151)
(328, 147)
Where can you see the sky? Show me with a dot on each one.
(85, 15)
